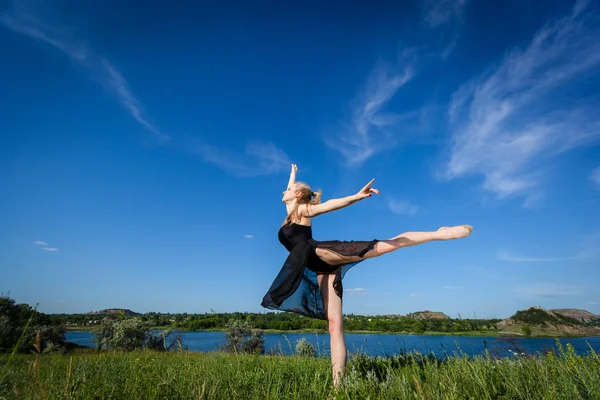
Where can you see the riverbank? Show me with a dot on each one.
(152, 375)
(486, 333)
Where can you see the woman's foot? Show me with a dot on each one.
(455, 232)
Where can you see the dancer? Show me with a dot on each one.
(310, 281)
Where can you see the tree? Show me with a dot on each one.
(418, 327)
(15, 318)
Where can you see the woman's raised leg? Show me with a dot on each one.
(332, 305)
(403, 240)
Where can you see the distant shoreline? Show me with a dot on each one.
(428, 333)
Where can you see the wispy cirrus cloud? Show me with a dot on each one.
(444, 17)
(506, 256)
(372, 129)
(45, 248)
(356, 291)
(507, 123)
(595, 177)
(402, 207)
(249, 236)
(587, 247)
(547, 290)
(23, 19)
(441, 12)
(259, 158)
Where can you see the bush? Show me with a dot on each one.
(242, 338)
(132, 333)
(305, 348)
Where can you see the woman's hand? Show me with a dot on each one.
(367, 191)
(294, 169)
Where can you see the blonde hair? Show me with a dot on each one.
(308, 197)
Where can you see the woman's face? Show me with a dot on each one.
(290, 194)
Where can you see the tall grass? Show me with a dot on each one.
(189, 375)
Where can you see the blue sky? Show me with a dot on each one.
(144, 149)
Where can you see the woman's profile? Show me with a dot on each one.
(310, 281)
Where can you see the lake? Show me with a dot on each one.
(382, 344)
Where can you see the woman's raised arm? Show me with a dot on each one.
(292, 176)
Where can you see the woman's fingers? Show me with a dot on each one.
(367, 186)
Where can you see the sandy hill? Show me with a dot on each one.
(579, 315)
(427, 315)
(544, 322)
(114, 311)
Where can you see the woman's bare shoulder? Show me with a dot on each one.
(303, 216)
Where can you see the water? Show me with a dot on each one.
(382, 344)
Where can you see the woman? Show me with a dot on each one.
(310, 282)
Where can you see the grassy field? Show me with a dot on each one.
(188, 375)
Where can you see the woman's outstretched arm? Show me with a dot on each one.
(335, 204)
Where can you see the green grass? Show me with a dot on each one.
(153, 375)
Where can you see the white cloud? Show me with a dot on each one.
(546, 290)
(402, 207)
(259, 158)
(40, 243)
(371, 129)
(508, 122)
(248, 236)
(441, 12)
(454, 287)
(593, 303)
(505, 256)
(50, 249)
(415, 295)
(24, 21)
(356, 292)
(596, 176)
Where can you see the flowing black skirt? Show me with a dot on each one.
(296, 289)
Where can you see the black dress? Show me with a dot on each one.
(296, 288)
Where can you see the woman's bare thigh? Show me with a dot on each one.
(333, 258)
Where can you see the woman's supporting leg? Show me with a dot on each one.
(403, 240)
(332, 305)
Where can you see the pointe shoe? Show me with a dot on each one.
(456, 232)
